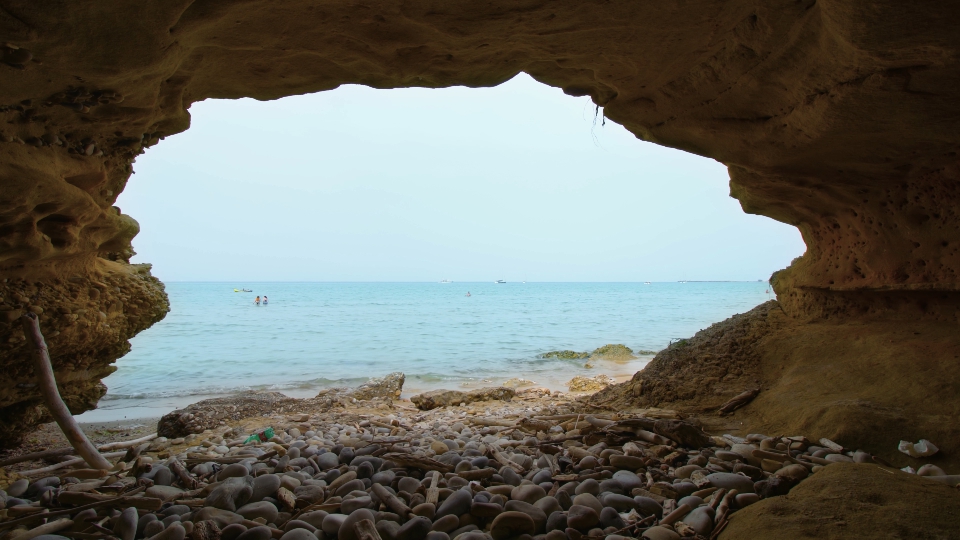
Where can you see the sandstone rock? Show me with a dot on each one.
(442, 398)
(581, 383)
(386, 387)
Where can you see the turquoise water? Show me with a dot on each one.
(316, 335)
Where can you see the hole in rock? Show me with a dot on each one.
(347, 208)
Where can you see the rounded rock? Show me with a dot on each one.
(416, 528)
(660, 533)
(456, 504)
(257, 533)
(298, 534)
(231, 532)
(731, 481)
(511, 524)
(529, 493)
(264, 486)
(582, 518)
(234, 470)
(588, 499)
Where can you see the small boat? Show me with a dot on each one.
(243, 290)
(445, 281)
(499, 281)
(646, 282)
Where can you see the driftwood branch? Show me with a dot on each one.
(433, 492)
(48, 387)
(739, 401)
(65, 464)
(424, 463)
(366, 530)
(46, 454)
(391, 501)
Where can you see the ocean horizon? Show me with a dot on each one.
(320, 334)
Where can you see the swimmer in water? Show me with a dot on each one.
(264, 299)
(257, 301)
(468, 293)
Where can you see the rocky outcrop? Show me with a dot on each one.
(211, 413)
(588, 384)
(451, 398)
(839, 118)
(387, 387)
(865, 384)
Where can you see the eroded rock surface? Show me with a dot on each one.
(840, 118)
(447, 398)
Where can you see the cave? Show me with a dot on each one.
(834, 117)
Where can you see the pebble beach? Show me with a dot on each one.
(536, 464)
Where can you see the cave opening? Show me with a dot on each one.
(358, 188)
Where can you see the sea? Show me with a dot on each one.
(310, 336)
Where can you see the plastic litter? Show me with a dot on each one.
(263, 435)
(923, 448)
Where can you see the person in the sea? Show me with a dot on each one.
(257, 301)
(468, 293)
(264, 299)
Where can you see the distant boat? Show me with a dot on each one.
(499, 281)
(646, 282)
(445, 281)
(243, 290)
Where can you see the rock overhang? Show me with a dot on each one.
(839, 118)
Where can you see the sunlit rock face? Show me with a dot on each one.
(838, 117)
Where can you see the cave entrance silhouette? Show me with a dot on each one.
(829, 117)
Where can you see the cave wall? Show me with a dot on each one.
(838, 117)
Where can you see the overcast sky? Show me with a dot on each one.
(516, 182)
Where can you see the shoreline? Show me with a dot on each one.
(134, 409)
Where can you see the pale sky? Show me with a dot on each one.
(514, 182)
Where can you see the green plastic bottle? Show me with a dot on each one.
(263, 435)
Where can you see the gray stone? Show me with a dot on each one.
(256, 533)
(231, 494)
(328, 460)
(311, 494)
(731, 481)
(529, 493)
(298, 534)
(18, 488)
(126, 526)
(629, 480)
(265, 485)
(647, 506)
(660, 533)
(415, 529)
(549, 505)
(511, 524)
(538, 516)
(231, 532)
(457, 503)
(332, 523)
(582, 518)
(221, 517)
(701, 519)
(234, 470)
(256, 510)
(621, 503)
(347, 531)
(610, 518)
(588, 499)
(174, 532)
(556, 521)
(446, 524)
